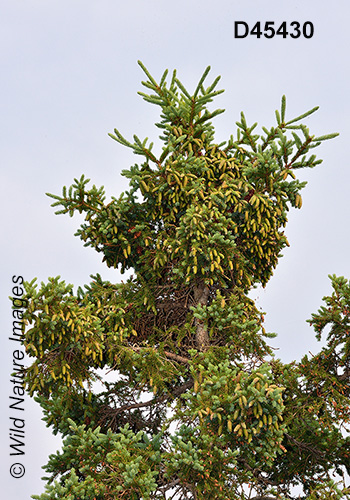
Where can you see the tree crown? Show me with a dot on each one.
(201, 224)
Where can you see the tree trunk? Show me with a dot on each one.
(201, 296)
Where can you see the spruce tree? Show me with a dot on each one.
(199, 407)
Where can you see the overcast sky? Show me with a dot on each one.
(69, 75)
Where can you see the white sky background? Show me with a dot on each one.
(69, 75)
